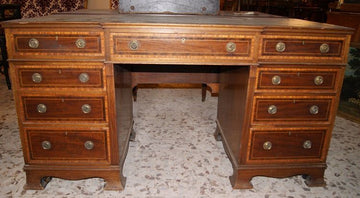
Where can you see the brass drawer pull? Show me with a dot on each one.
(84, 77)
(34, 43)
(134, 45)
(36, 77)
(46, 145)
(80, 43)
(272, 109)
(280, 47)
(86, 108)
(307, 144)
(267, 145)
(318, 80)
(314, 110)
(41, 108)
(230, 47)
(324, 48)
(276, 80)
(89, 145)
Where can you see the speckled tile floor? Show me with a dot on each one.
(175, 155)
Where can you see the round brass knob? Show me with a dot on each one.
(36, 78)
(276, 80)
(46, 145)
(324, 48)
(280, 47)
(318, 80)
(272, 109)
(314, 110)
(307, 144)
(86, 108)
(230, 47)
(41, 108)
(89, 145)
(84, 77)
(267, 145)
(34, 43)
(134, 45)
(80, 43)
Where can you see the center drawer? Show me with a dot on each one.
(67, 145)
(64, 108)
(141, 47)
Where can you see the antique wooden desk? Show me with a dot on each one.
(279, 80)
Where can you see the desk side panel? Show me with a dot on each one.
(232, 108)
(123, 108)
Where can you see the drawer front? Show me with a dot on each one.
(306, 49)
(292, 109)
(67, 145)
(291, 144)
(280, 78)
(301, 47)
(59, 45)
(64, 108)
(61, 77)
(165, 47)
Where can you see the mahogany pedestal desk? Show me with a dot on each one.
(72, 74)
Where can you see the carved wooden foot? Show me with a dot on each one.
(115, 183)
(241, 180)
(37, 178)
(36, 181)
(33, 183)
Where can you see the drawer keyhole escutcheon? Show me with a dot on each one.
(276, 80)
(307, 144)
(324, 48)
(280, 47)
(36, 78)
(318, 80)
(84, 77)
(80, 43)
(314, 109)
(272, 109)
(89, 145)
(86, 108)
(41, 108)
(230, 47)
(134, 45)
(267, 145)
(46, 145)
(34, 43)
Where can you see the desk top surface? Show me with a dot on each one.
(103, 18)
